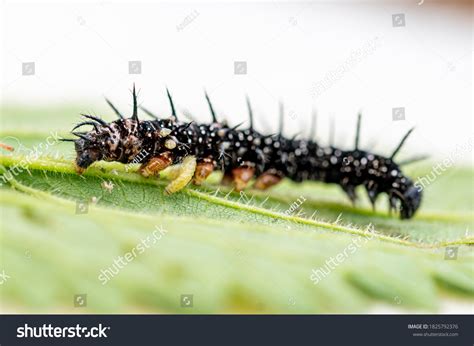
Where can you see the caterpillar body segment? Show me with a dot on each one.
(155, 165)
(203, 170)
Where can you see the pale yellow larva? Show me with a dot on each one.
(186, 173)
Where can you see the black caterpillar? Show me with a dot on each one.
(194, 151)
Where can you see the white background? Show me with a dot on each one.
(81, 53)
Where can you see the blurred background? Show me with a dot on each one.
(403, 64)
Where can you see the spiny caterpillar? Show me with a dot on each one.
(194, 151)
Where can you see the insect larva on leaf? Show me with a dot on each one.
(195, 150)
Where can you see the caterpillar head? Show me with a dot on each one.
(129, 140)
(87, 152)
(105, 142)
(403, 195)
(408, 195)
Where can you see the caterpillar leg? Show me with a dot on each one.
(184, 174)
(241, 176)
(372, 191)
(227, 178)
(350, 191)
(156, 164)
(392, 203)
(266, 180)
(203, 170)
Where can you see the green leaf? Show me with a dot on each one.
(237, 253)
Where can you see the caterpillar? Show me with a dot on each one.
(194, 151)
